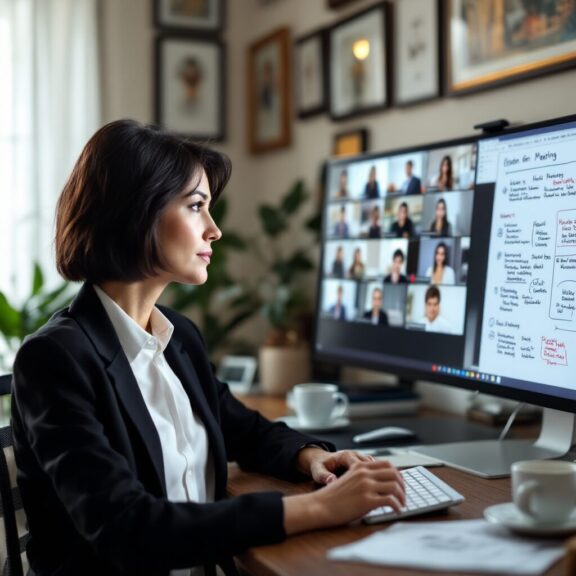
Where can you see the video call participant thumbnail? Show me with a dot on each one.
(440, 226)
(433, 320)
(440, 272)
(341, 227)
(376, 315)
(403, 227)
(338, 309)
(396, 276)
(412, 184)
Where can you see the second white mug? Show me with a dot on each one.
(545, 490)
(319, 404)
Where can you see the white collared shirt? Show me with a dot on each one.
(188, 467)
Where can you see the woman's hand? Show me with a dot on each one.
(324, 467)
(363, 487)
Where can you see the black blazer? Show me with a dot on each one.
(90, 460)
(382, 317)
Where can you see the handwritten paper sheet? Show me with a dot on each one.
(467, 545)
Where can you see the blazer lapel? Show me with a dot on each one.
(91, 316)
(183, 367)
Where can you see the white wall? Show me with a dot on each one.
(128, 88)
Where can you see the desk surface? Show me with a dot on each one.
(305, 554)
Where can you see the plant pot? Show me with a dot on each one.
(282, 367)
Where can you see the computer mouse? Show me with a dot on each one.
(385, 433)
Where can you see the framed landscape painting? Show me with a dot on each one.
(492, 42)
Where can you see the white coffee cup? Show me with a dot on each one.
(318, 404)
(545, 490)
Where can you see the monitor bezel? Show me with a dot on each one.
(502, 390)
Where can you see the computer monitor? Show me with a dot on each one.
(455, 262)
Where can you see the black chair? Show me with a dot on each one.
(13, 528)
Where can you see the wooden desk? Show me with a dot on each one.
(305, 554)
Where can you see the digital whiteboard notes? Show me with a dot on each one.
(529, 322)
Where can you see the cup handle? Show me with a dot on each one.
(341, 408)
(524, 496)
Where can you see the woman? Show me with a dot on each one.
(445, 176)
(372, 188)
(121, 430)
(357, 268)
(375, 230)
(338, 263)
(440, 272)
(440, 225)
(342, 191)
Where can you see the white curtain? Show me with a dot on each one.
(49, 106)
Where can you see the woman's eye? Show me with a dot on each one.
(196, 206)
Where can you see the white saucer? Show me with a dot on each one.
(293, 422)
(509, 516)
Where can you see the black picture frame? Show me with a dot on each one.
(186, 104)
(348, 97)
(168, 21)
(314, 48)
(418, 51)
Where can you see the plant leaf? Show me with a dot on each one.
(10, 318)
(272, 220)
(37, 280)
(294, 199)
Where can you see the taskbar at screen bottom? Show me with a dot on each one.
(470, 377)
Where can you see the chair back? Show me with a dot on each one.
(13, 525)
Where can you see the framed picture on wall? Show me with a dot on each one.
(338, 3)
(200, 16)
(488, 47)
(190, 86)
(416, 51)
(350, 143)
(269, 87)
(359, 63)
(311, 75)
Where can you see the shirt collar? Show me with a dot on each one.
(133, 338)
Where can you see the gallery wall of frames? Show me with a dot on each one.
(392, 54)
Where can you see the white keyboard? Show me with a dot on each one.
(425, 492)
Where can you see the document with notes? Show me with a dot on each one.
(459, 545)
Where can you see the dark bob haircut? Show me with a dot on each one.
(107, 215)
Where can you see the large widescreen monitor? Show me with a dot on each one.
(456, 262)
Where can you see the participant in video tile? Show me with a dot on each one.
(445, 180)
(412, 184)
(375, 230)
(357, 268)
(372, 188)
(341, 227)
(338, 263)
(403, 227)
(342, 191)
(396, 276)
(433, 319)
(338, 309)
(440, 226)
(440, 272)
(376, 315)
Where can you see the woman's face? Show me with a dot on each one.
(440, 255)
(402, 214)
(372, 175)
(440, 211)
(357, 255)
(185, 234)
(445, 165)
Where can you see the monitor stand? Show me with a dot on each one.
(493, 458)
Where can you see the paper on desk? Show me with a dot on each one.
(465, 545)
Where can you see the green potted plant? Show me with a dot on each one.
(284, 357)
(16, 322)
